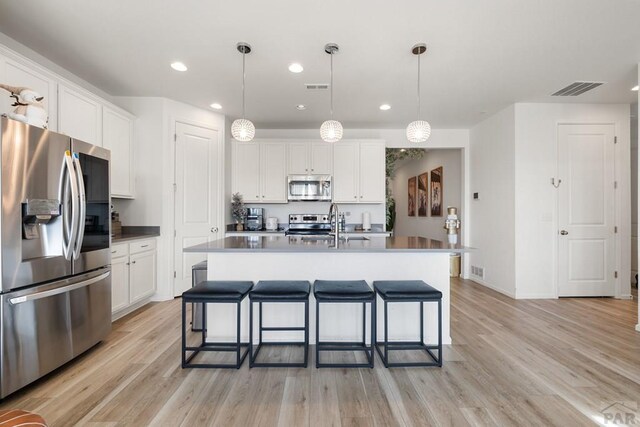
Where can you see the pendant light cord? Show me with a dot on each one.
(419, 55)
(243, 76)
(331, 82)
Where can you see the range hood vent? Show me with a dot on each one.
(577, 88)
(317, 86)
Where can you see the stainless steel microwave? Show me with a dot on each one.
(309, 187)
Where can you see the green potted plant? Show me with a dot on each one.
(238, 211)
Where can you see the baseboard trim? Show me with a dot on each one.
(537, 296)
(628, 296)
(483, 283)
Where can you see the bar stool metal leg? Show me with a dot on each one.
(317, 334)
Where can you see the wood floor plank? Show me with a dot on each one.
(513, 362)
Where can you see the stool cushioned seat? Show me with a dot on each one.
(398, 289)
(347, 290)
(281, 290)
(219, 289)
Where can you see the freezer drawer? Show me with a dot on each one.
(46, 326)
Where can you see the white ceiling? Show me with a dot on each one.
(483, 55)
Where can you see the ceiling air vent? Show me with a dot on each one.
(577, 88)
(317, 86)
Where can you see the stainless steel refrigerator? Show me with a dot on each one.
(55, 223)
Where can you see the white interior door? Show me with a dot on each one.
(586, 216)
(197, 196)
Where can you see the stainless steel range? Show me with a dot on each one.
(308, 224)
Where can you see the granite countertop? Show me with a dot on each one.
(302, 244)
(136, 233)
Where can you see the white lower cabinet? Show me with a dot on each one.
(133, 274)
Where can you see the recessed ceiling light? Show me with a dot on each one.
(178, 66)
(635, 88)
(301, 107)
(385, 107)
(216, 106)
(296, 68)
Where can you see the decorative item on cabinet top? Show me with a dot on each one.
(29, 107)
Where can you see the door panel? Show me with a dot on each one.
(246, 171)
(586, 216)
(142, 282)
(79, 116)
(321, 158)
(298, 158)
(372, 173)
(273, 171)
(32, 161)
(119, 283)
(345, 172)
(197, 196)
(96, 227)
(46, 326)
(117, 133)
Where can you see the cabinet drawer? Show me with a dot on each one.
(119, 250)
(142, 246)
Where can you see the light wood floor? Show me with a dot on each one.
(544, 362)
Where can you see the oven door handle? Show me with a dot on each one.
(58, 291)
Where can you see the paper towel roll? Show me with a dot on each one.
(366, 221)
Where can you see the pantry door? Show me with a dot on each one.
(197, 196)
(586, 216)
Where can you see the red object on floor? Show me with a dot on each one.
(18, 417)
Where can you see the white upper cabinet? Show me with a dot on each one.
(310, 158)
(117, 136)
(246, 171)
(359, 172)
(372, 172)
(345, 172)
(19, 74)
(273, 172)
(298, 158)
(260, 171)
(79, 115)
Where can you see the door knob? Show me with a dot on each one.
(564, 232)
(214, 229)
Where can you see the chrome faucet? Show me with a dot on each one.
(334, 218)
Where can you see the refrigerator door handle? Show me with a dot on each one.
(83, 207)
(68, 184)
(52, 292)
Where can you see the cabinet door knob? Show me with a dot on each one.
(361, 197)
(355, 197)
(312, 169)
(128, 263)
(564, 232)
(214, 229)
(133, 262)
(263, 196)
(257, 197)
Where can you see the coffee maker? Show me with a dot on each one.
(254, 219)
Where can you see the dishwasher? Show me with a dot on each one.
(198, 275)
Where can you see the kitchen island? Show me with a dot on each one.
(311, 258)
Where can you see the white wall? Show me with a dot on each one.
(536, 208)
(492, 215)
(154, 165)
(634, 191)
(433, 227)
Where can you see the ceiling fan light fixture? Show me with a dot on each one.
(243, 129)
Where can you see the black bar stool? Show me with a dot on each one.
(283, 291)
(346, 291)
(232, 292)
(409, 291)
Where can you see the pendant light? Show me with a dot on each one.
(419, 130)
(242, 129)
(331, 130)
